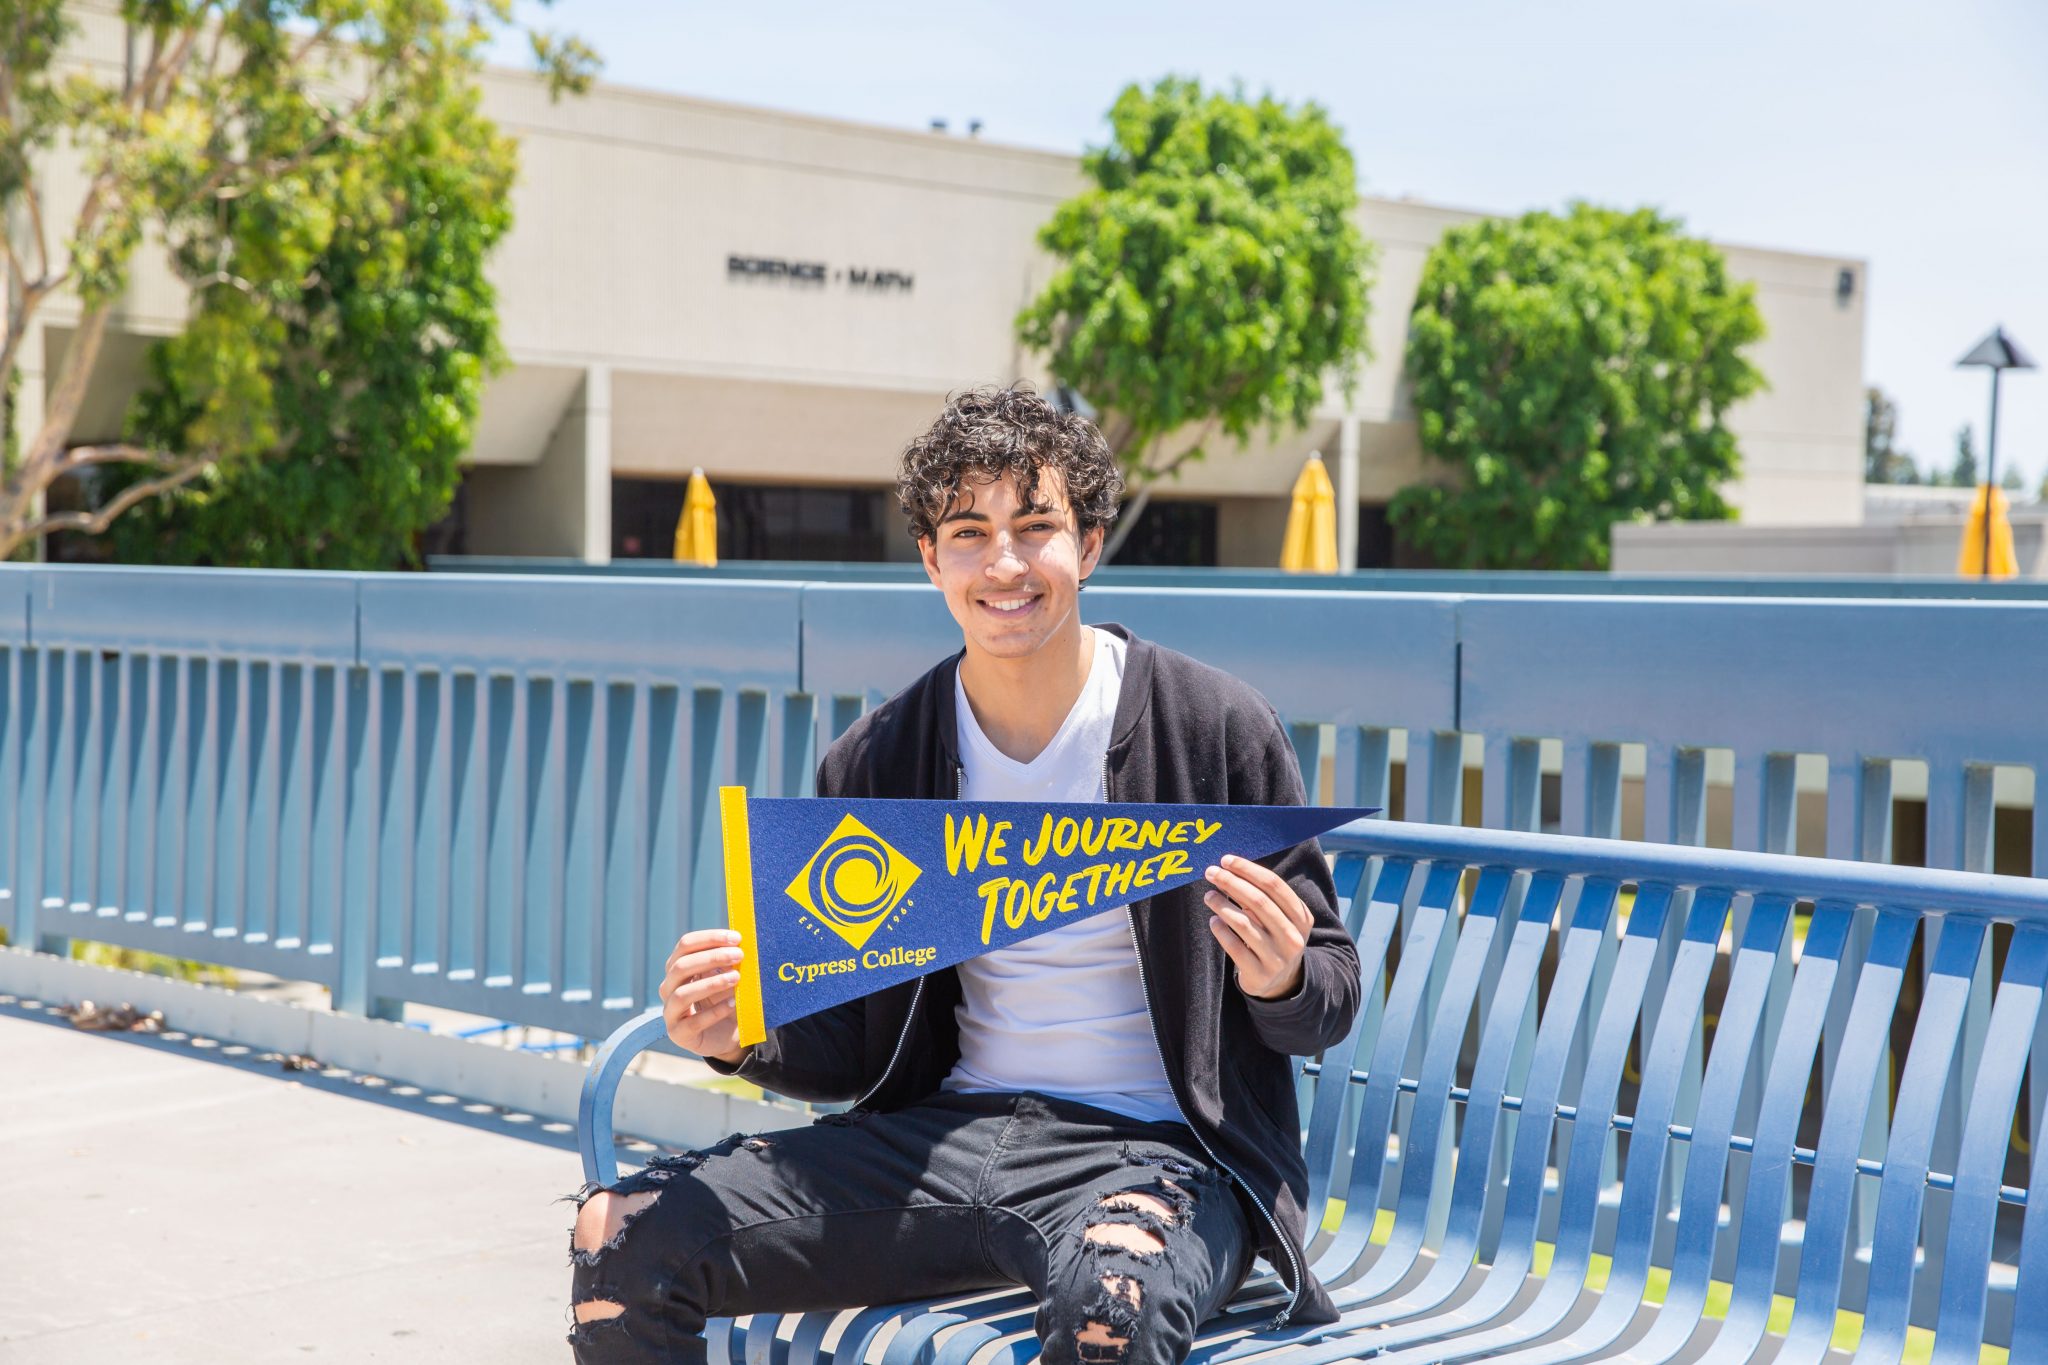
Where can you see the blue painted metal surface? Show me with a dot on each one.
(1386, 661)
(163, 766)
(491, 793)
(494, 795)
(546, 762)
(1467, 582)
(1751, 1195)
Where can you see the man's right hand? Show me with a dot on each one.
(697, 1000)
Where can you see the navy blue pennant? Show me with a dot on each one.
(835, 899)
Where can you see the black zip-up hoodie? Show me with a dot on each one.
(1184, 732)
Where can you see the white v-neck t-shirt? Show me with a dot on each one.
(1062, 1014)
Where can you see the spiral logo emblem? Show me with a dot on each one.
(854, 882)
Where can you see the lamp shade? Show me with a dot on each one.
(1998, 352)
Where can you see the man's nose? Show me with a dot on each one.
(1005, 561)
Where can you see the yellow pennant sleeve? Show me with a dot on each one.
(739, 911)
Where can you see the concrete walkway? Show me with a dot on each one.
(166, 1203)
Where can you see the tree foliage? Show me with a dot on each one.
(1884, 461)
(375, 353)
(1963, 472)
(1209, 279)
(1571, 371)
(240, 137)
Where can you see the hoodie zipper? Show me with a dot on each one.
(1279, 1233)
(917, 993)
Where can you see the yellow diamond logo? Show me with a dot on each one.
(854, 882)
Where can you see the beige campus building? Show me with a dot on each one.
(783, 300)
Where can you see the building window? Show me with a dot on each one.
(757, 521)
(1375, 537)
(1173, 533)
(449, 535)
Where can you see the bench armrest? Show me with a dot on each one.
(601, 1087)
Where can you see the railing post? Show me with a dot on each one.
(621, 934)
(668, 871)
(707, 766)
(1436, 778)
(1602, 806)
(356, 934)
(35, 795)
(1688, 808)
(799, 744)
(1859, 827)
(541, 857)
(583, 908)
(1307, 739)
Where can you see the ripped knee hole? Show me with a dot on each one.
(1125, 1237)
(1137, 1220)
(1096, 1344)
(598, 1310)
(1146, 1202)
(605, 1216)
(1125, 1289)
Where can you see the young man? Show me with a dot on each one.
(1103, 1113)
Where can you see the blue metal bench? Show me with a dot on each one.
(1592, 1073)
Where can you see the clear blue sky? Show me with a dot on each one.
(1911, 135)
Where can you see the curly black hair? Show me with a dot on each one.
(988, 433)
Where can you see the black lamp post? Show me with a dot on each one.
(1997, 353)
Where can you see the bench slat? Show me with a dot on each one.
(1768, 1184)
(1377, 911)
(1484, 1110)
(1431, 1124)
(1973, 1216)
(1929, 1062)
(1376, 1110)
(1833, 1198)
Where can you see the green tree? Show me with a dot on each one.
(1963, 472)
(1883, 460)
(234, 135)
(1210, 279)
(379, 355)
(1571, 371)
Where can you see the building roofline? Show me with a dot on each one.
(641, 94)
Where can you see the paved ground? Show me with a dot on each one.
(163, 1204)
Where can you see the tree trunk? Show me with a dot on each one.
(41, 462)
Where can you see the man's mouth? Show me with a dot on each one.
(1010, 606)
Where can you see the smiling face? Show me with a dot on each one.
(1011, 570)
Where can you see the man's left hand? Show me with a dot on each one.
(1261, 923)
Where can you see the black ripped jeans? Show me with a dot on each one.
(1126, 1233)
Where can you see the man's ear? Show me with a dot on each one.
(1091, 550)
(928, 552)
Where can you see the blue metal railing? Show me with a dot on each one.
(491, 793)
(1477, 582)
(493, 798)
(496, 794)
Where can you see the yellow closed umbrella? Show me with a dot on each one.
(697, 528)
(2004, 562)
(1311, 543)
